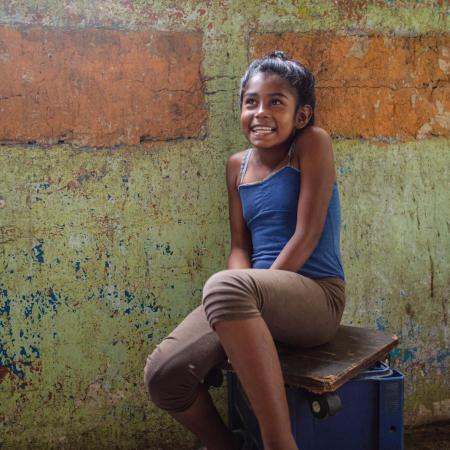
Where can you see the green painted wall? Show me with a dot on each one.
(102, 252)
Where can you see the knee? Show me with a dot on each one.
(154, 377)
(170, 387)
(224, 283)
(230, 294)
(215, 282)
(227, 282)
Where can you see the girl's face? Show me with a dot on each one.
(269, 112)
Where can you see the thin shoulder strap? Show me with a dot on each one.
(244, 164)
(291, 152)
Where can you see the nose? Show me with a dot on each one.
(261, 111)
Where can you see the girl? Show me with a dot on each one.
(284, 280)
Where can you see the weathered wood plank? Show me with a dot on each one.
(327, 367)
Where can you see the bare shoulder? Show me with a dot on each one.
(236, 158)
(314, 136)
(234, 166)
(313, 142)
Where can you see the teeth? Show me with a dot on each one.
(262, 129)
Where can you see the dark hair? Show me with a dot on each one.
(295, 73)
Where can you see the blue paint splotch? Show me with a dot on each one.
(343, 170)
(28, 311)
(8, 362)
(139, 305)
(33, 350)
(38, 253)
(44, 185)
(40, 303)
(5, 308)
(19, 348)
(129, 297)
(381, 323)
(442, 355)
(54, 299)
(394, 354)
(23, 352)
(408, 354)
(166, 250)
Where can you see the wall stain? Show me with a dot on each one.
(122, 239)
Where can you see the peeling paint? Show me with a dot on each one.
(102, 252)
(38, 253)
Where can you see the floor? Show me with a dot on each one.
(428, 437)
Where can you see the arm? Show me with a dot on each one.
(239, 257)
(315, 158)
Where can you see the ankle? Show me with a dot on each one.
(226, 442)
(280, 443)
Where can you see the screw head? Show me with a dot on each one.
(315, 405)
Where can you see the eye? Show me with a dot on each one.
(249, 101)
(276, 101)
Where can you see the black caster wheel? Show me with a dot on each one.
(325, 405)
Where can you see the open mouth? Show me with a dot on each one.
(262, 130)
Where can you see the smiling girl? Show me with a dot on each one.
(284, 282)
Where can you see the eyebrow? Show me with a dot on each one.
(274, 94)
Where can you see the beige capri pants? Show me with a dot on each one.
(298, 311)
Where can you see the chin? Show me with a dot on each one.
(264, 142)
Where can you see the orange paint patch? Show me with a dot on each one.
(373, 86)
(99, 87)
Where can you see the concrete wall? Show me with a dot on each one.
(116, 119)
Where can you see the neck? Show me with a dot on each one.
(270, 157)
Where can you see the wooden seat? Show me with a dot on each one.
(327, 367)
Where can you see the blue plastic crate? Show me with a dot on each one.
(371, 417)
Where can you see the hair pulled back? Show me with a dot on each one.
(295, 73)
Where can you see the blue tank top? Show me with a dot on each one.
(270, 211)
